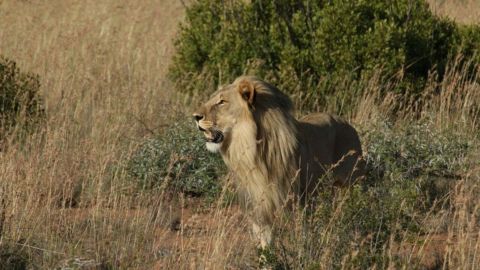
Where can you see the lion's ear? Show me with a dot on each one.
(247, 90)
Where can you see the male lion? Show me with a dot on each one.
(271, 154)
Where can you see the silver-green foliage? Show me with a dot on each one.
(177, 160)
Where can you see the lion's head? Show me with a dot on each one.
(233, 106)
(218, 116)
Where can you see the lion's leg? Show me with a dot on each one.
(263, 233)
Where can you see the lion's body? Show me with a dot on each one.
(272, 154)
(328, 143)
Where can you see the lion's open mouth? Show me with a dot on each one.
(216, 137)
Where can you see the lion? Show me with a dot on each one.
(271, 154)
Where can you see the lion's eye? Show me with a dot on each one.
(221, 102)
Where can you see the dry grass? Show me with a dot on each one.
(463, 11)
(64, 198)
(102, 67)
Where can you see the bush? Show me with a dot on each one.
(317, 43)
(418, 156)
(20, 103)
(178, 161)
(469, 42)
(13, 257)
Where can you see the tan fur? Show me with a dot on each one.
(271, 153)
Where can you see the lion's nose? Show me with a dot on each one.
(198, 117)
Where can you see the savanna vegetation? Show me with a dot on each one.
(101, 166)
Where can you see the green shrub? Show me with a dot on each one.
(13, 257)
(179, 161)
(417, 155)
(317, 44)
(469, 42)
(20, 103)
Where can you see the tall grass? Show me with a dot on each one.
(66, 200)
(101, 67)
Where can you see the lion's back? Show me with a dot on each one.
(330, 140)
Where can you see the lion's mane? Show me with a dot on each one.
(262, 154)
